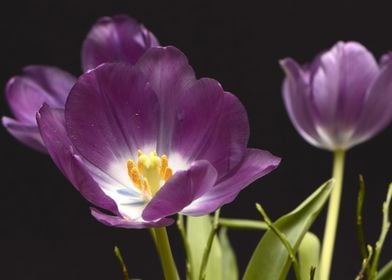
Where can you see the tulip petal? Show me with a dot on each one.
(296, 95)
(340, 84)
(211, 124)
(377, 113)
(38, 85)
(51, 124)
(110, 114)
(180, 190)
(386, 59)
(28, 133)
(116, 221)
(116, 39)
(256, 164)
(170, 75)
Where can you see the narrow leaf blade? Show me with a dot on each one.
(271, 260)
(386, 272)
(229, 260)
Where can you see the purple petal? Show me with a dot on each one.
(38, 85)
(28, 134)
(116, 39)
(256, 164)
(180, 190)
(296, 95)
(116, 221)
(377, 113)
(340, 85)
(386, 59)
(211, 124)
(51, 124)
(170, 75)
(110, 114)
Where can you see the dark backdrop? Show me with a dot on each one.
(46, 231)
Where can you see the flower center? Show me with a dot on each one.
(150, 172)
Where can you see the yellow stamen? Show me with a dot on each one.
(168, 174)
(140, 166)
(164, 165)
(135, 177)
(150, 172)
(130, 165)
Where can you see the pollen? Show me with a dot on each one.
(150, 172)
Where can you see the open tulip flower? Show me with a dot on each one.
(341, 99)
(150, 140)
(120, 38)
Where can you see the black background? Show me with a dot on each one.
(46, 231)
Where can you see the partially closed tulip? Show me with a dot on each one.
(341, 99)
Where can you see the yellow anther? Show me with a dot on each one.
(150, 172)
(130, 165)
(168, 174)
(164, 165)
(135, 177)
(140, 166)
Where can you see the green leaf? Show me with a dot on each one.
(229, 261)
(198, 231)
(386, 272)
(271, 260)
(308, 254)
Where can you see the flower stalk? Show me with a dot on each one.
(165, 254)
(181, 229)
(332, 216)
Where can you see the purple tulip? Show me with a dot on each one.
(341, 99)
(147, 141)
(111, 39)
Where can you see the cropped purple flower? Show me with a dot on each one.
(341, 99)
(111, 39)
(147, 141)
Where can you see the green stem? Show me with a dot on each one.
(386, 224)
(242, 224)
(365, 264)
(332, 216)
(165, 254)
(117, 252)
(187, 248)
(360, 231)
(207, 250)
(282, 239)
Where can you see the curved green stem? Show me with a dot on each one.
(187, 248)
(282, 239)
(165, 254)
(208, 247)
(360, 232)
(242, 224)
(117, 252)
(332, 216)
(386, 224)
